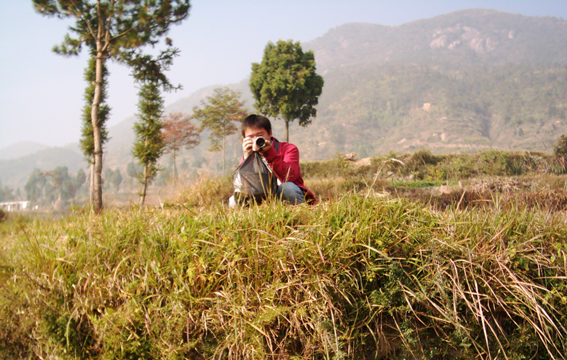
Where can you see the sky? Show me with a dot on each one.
(41, 93)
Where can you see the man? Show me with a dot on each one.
(282, 157)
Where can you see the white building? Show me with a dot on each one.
(15, 206)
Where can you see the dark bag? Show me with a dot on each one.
(254, 180)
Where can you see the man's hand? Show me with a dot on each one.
(246, 146)
(265, 148)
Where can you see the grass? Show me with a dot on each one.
(358, 276)
(352, 278)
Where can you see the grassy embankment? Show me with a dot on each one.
(476, 271)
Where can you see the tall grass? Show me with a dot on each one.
(353, 278)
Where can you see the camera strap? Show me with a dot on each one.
(276, 144)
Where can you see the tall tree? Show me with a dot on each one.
(149, 145)
(179, 132)
(108, 28)
(218, 114)
(87, 134)
(285, 83)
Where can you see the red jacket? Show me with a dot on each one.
(285, 164)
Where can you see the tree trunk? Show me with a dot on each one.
(144, 186)
(97, 135)
(287, 131)
(91, 182)
(174, 167)
(223, 145)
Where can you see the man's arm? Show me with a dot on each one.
(285, 163)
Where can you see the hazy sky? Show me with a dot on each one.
(41, 93)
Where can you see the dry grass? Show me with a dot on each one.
(357, 277)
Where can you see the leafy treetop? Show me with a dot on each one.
(285, 83)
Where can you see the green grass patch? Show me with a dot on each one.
(420, 183)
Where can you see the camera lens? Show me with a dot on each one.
(260, 142)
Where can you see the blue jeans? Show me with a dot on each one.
(288, 192)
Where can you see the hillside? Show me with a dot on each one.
(20, 149)
(460, 82)
(472, 37)
(15, 172)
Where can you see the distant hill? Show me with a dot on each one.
(20, 149)
(15, 172)
(460, 82)
(467, 37)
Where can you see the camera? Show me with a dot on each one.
(259, 141)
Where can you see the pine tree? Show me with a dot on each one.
(149, 144)
(87, 134)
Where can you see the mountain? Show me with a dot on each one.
(459, 82)
(15, 172)
(20, 149)
(471, 37)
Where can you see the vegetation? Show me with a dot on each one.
(150, 144)
(356, 277)
(219, 114)
(6, 193)
(48, 188)
(285, 84)
(111, 30)
(179, 132)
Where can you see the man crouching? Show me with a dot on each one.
(282, 157)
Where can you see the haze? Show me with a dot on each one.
(41, 93)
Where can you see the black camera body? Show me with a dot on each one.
(260, 142)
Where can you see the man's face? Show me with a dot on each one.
(253, 132)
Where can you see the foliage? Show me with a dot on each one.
(45, 188)
(6, 193)
(133, 170)
(149, 145)
(113, 177)
(179, 132)
(218, 114)
(560, 151)
(285, 83)
(422, 165)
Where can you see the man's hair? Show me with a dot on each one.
(257, 121)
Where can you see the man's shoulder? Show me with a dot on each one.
(285, 145)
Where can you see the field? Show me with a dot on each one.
(406, 256)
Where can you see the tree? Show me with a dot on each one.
(6, 193)
(35, 185)
(149, 144)
(285, 83)
(218, 114)
(117, 179)
(178, 132)
(87, 132)
(109, 28)
(560, 151)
